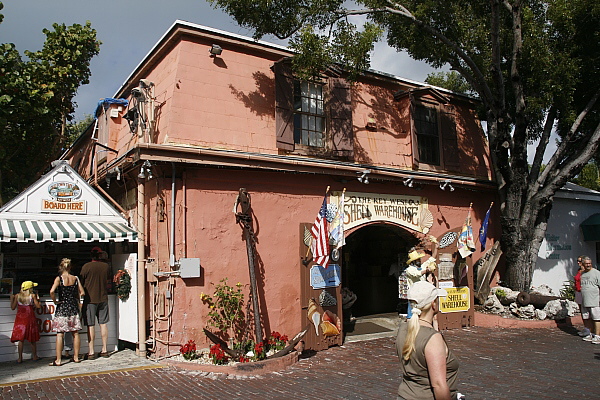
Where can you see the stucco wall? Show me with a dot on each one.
(557, 258)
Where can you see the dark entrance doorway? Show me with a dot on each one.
(369, 253)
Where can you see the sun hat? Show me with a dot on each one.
(28, 285)
(414, 255)
(424, 293)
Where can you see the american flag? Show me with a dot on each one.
(320, 234)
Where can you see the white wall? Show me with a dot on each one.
(557, 258)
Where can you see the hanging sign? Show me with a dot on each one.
(409, 211)
(64, 195)
(458, 299)
(321, 277)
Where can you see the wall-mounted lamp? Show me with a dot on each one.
(446, 184)
(363, 176)
(215, 50)
(146, 170)
(409, 182)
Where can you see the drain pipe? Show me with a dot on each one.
(141, 272)
(172, 239)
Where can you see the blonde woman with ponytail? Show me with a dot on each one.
(429, 369)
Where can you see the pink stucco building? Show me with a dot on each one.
(198, 127)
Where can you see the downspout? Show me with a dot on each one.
(184, 219)
(172, 239)
(141, 273)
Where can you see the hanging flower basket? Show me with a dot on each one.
(122, 280)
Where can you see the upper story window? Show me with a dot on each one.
(428, 138)
(309, 114)
(313, 117)
(433, 128)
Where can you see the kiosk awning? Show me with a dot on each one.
(68, 231)
(591, 228)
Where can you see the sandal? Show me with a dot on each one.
(91, 356)
(54, 364)
(75, 361)
(104, 354)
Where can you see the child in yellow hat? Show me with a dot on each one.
(26, 326)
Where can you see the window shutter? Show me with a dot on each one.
(450, 150)
(414, 136)
(284, 105)
(340, 117)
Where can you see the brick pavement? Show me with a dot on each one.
(495, 364)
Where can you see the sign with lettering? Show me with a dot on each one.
(458, 300)
(409, 211)
(63, 196)
(75, 207)
(321, 277)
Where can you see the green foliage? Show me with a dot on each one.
(76, 129)
(122, 280)
(226, 308)
(500, 294)
(568, 290)
(36, 101)
(450, 80)
(588, 177)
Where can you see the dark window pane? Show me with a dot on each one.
(309, 124)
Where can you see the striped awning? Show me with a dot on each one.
(67, 231)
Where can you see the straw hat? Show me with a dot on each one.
(414, 255)
(28, 285)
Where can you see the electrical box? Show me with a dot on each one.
(189, 267)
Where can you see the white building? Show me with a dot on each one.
(565, 239)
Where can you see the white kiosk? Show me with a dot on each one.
(59, 216)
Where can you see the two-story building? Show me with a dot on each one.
(209, 113)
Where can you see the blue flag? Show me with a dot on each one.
(484, 228)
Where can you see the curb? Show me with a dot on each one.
(496, 321)
(240, 369)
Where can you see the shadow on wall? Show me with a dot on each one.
(261, 101)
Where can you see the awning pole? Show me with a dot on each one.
(141, 275)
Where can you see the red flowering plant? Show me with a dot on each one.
(277, 341)
(217, 355)
(188, 350)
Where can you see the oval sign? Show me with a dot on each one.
(64, 190)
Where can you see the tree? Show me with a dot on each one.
(588, 177)
(36, 101)
(533, 64)
(450, 80)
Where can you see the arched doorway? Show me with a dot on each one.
(368, 255)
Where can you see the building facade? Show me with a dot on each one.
(221, 157)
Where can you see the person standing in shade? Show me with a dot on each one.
(95, 276)
(590, 293)
(66, 318)
(25, 327)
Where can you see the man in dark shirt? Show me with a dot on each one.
(95, 275)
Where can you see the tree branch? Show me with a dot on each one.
(565, 143)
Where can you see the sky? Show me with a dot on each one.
(128, 29)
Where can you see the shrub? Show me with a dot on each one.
(188, 350)
(568, 290)
(226, 309)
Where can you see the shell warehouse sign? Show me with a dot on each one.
(409, 211)
(64, 199)
(458, 299)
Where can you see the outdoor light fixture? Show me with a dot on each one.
(446, 184)
(145, 170)
(215, 50)
(408, 182)
(364, 176)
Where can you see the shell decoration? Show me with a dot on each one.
(326, 299)
(425, 220)
(314, 315)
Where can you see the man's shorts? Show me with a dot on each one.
(587, 312)
(91, 311)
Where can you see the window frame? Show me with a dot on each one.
(299, 114)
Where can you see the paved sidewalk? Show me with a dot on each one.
(28, 370)
(495, 363)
